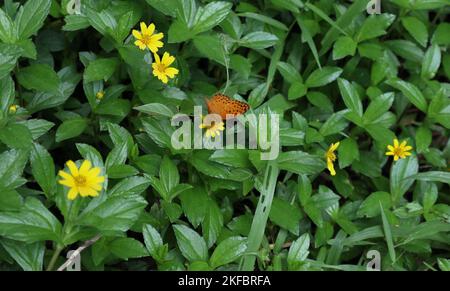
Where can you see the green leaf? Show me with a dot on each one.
(431, 62)
(212, 223)
(300, 162)
(258, 40)
(228, 251)
(16, 135)
(375, 26)
(411, 92)
(100, 69)
(388, 234)
(334, 124)
(130, 186)
(348, 152)
(30, 256)
(39, 77)
(34, 222)
(43, 169)
(322, 77)
(71, 128)
(344, 46)
(211, 15)
(195, 202)
(156, 109)
(231, 157)
(30, 17)
(289, 73)
(400, 171)
(433, 176)
(298, 252)
(371, 205)
(285, 215)
(7, 32)
(113, 214)
(423, 139)
(191, 244)
(211, 46)
(444, 264)
(416, 28)
(153, 241)
(11, 168)
(377, 108)
(350, 96)
(127, 248)
(296, 91)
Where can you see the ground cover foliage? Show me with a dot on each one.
(364, 109)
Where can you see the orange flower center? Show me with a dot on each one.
(146, 39)
(161, 67)
(80, 180)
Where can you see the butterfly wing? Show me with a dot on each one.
(223, 105)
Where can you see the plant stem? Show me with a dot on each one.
(55, 256)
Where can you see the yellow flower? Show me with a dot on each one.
(213, 129)
(147, 39)
(399, 151)
(85, 181)
(100, 95)
(13, 108)
(162, 69)
(331, 157)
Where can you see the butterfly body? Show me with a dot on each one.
(223, 105)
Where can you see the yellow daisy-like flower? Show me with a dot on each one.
(399, 151)
(100, 95)
(213, 129)
(162, 69)
(13, 108)
(331, 157)
(147, 39)
(85, 180)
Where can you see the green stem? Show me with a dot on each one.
(55, 256)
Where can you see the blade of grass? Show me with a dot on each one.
(388, 234)
(259, 222)
(307, 35)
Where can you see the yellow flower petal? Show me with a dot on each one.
(85, 167)
(143, 28)
(164, 79)
(151, 29)
(157, 59)
(171, 72)
(73, 168)
(167, 59)
(396, 143)
(391, 148)
(136, 34)
(334, 146)
(330, 167)
(152, 48)
(73, 193)
(87, 191)
(389, 153)
(69, 182)
(408, 148)
(403, 144)
(157, 36)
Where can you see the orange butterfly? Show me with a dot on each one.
(222, 105)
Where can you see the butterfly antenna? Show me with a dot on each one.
(226, 60)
